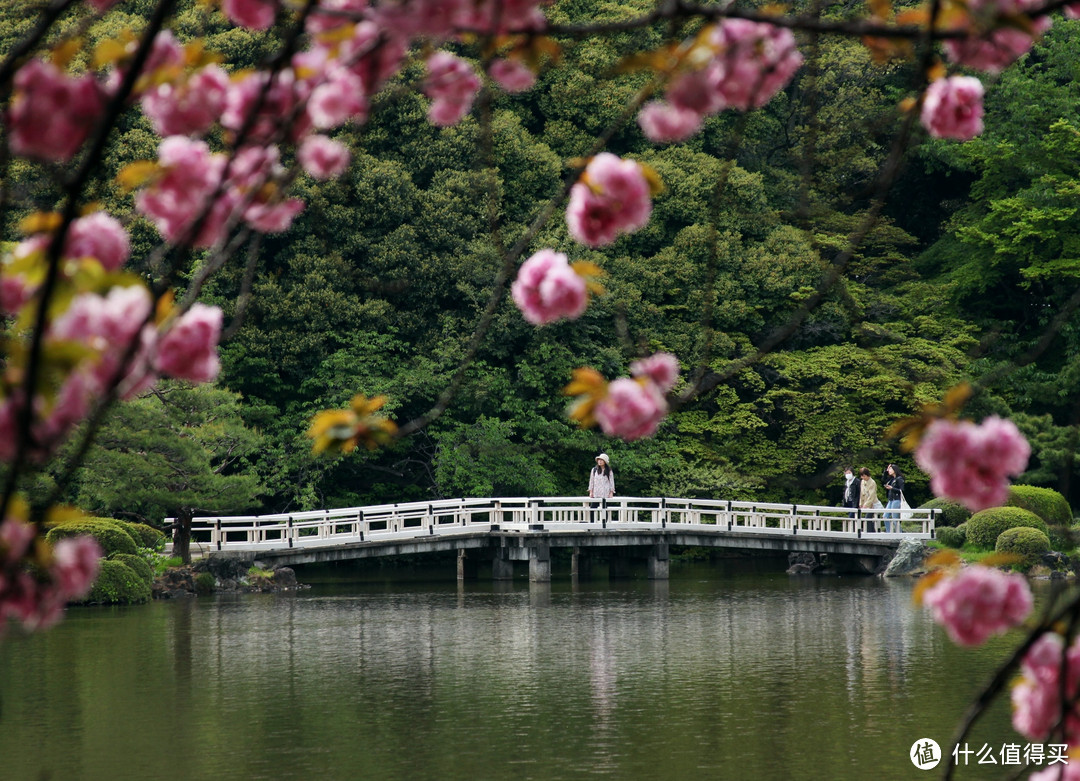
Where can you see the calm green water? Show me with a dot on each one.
(717, 674)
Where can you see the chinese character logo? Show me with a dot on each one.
(925, 754)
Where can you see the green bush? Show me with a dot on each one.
(1046, 503)
(1049, 505)
(1029, 543)
(205, 583)
(984, 527)
(117, 583)
(952, 513)
(137, 563)
(110, 536)
(952, 536)
(145, 536)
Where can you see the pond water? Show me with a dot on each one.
(730, 670)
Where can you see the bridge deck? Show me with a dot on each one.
(516, 524)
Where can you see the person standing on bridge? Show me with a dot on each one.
(852, 486)
(894, 492)
(601, 479)
(868, 498)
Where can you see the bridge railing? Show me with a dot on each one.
(454, 516)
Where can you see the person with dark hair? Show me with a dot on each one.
(851, 489)
(894, 492)
(602, 479)
(868, 498)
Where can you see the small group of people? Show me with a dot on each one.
(862, 492)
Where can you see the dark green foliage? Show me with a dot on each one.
(984, 527)
(951, 536)
(1046, 503)
(112, 537)
(117, 583)
(1023, 541)
(148, 536)
(205, 583)
(137, 563)
(952, 513)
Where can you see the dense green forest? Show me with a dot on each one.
(379, 285)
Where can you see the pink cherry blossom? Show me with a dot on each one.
(631, 410)
(190, 176)
(660, 368)
(283, 99)
(953, 108)
(101, 236)
(15, 539)
(52, 113)
(979, 602)
(1072, 11)
(189, 106)
(322, 157)
(253, 14)
(337, 99)
(374, 54)
(548, 289)
(758, 60)
(612, 197)
(972, 464)
(1036, 697)
(101, 6)
(188, 350)
(14, 292)
(273, 216)
(347, 11)
(452, 85)
(1058, 772)
(699, 91)
(512, 75)
(1004, 43)
(664, 123)
(76, 561)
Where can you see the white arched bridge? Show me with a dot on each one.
(505, 530)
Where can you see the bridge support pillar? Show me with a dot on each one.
(580, 565)
(618, 565)
(466, 567)
(502, 567)
(540, 563)
(659, 564)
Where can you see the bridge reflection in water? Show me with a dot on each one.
(505, 530)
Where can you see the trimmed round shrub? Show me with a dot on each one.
(110, 536)
(117, 583)
(145, 536)
(952, 536)
(137, 563)
(1046, 503)
(952, 513)
(984, 527)
(1023, 541)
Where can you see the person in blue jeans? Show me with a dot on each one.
(894, 492)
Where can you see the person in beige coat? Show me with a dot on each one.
(868, 498)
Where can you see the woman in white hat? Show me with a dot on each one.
(602, 479)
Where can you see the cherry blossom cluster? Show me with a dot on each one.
(978, 602)
(630, 407)
(118, 347)
(739, 64)
(971, 463)
(612, 197)
(36, 596)
(952, 108)
(1036, 697)
(1000, 32)
(548, 288)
